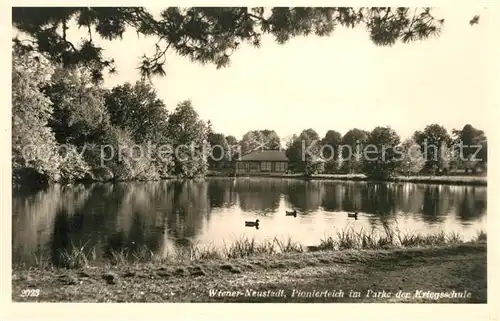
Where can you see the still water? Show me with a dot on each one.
(169, 214)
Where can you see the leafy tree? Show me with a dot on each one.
(251, 141)
(379, 159)
(303, 152)
(140, 121)
(413, 160)
(233, 150)
(219, 150)
(189, 136)
(205, 34)
(231, 140)
(332, 139)
(34, 147)
(432, 140)
(271, 140)
(73, 165)
(470, 145)
(483, 155)
(259, 140)
(293, 153)
(446, 160)
(351, 150)
(138, 109)
(124, 160)
(80, 115)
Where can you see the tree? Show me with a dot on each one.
(264, 139)
(303, 152)
(431, 140)
(80, 121)
(470, 145)
(351, 148)
(251, 141)
(219, 155)
(234, 149)
(293, 154)
(446, 158)
(118, 157)
(380, 161)
(139, 119)
(34, 147)
(413, 160)
(54, 111)
(79, 114)
(271, 140)
(189, 136)
(483, 155)
(231, 140)
(137, 109)
(205, 34)
(330, 151)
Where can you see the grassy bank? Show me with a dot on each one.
(448, 180)
(348, 261)
(452, 180)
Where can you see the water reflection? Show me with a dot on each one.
(259, 196)
(332, 197)
(305, 197)
(222, 193)
(163, 216)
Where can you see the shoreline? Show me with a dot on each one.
(440, 180)
(383, 275)
(444, 180)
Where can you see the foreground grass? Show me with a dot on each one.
(294, 277)
(352, 261)
(388, 237)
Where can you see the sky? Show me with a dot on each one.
(338, 82)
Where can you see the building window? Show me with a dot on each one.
(254, 167)
(280, 166)
(265, 166)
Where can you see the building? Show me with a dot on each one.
(267, 161)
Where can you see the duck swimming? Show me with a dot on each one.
(252, 223)
(294, 213)
(354, 215)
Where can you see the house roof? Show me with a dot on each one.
(265, 155)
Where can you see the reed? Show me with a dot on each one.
(346, 239)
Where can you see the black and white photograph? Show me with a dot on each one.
(250, 154)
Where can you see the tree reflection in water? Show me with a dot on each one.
(174, 214)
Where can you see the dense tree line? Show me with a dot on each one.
(381, 153)
(62, 116)
(65, 128)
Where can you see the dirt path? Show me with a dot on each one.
(378, 276)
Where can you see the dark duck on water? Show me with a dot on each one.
(353, 215)
(252, 223)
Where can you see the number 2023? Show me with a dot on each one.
(27, 293)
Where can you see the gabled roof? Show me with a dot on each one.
(265, 155)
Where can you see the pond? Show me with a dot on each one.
(170, 214)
